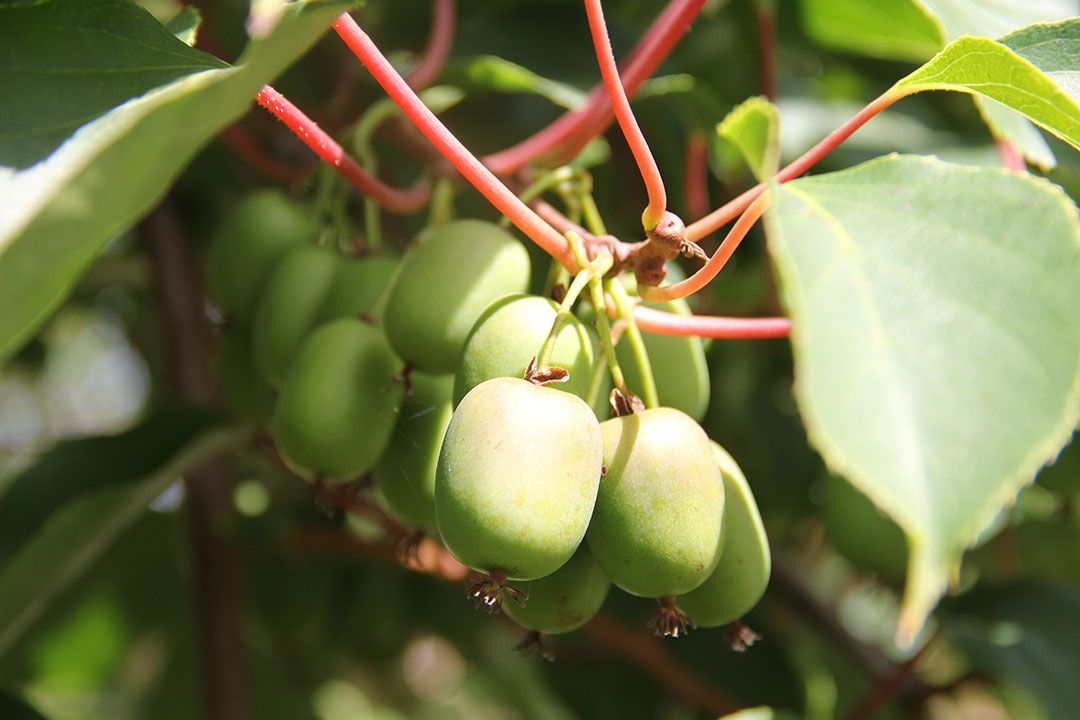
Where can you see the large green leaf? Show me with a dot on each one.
(60, 514)
(995, 18)
(996, 70)
(890, 29)
(1024, 634)
(937, 348)
(57, 215)
(1054, 48)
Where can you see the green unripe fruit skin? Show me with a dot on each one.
(445, 284)
(741, 576)
(308, 287)
(656, 529)
(517, 478)
(678, 364)
(564, 600)
(252, 238)
(339, 403)
(405, 474)
(861, 533)
(243, 391)
(510, 332)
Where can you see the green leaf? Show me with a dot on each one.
(754, 128)
(81, 495)
(937, 353)
(496, 73)
(1054, 48)
(58, 214)
(995, 70)
(185, 25)
(80, 466)
(887, 29)
(1024, 634)
(68, 62)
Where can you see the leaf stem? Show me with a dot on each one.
(566, 136)
(715, 220)
(715, 263)
(639, 147)
(403, 201)
(449, 146)
(625, 307)
(438, 47)
(710, 326)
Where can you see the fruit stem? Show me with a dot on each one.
(561, 174)
(715, 220)
(438, 46)
(523, 217)
(595, 269)
(409, 200)
(574, 129)
(603, 325)
(710, 326)
(592, 214)
(716, 263)
(639, 147)
(442, 203)
(625, 307)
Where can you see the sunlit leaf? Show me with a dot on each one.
(937, 353)
(889, 29)
(754, 128)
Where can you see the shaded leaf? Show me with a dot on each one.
(754, 128)
(496, 73)
(1024, 634)
(58, 214)
(887, 29)
(994, 19)
(185, 25)
(109, 482)
(937, 353)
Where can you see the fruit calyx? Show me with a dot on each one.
(741, 636)
(670, 621)
(534, 642)
(625, 403)
(488, 594)
(549, 375)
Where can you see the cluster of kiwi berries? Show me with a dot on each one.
(422, 371)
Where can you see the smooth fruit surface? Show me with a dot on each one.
(262, 228)
(678, 364)
(339, 403)
(510, 332)
(405, 474)
(741, 576)
(308, 287)
(656, 529)
(564, 600)
(517, 478)
(443, 287)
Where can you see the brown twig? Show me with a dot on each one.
(214, 567)
(765, 19)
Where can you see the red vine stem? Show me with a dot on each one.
(444, 141)
(765, 19)
(1011, 157)
(715, 220)
(710, 326)
(639, 147)
(696, 178)
(716, 263)
(438, 46)
(410, 200)
(573, 130)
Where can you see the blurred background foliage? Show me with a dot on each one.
(336, 630)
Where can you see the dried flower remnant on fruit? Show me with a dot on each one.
(550, 375)
(489, 593)
(534, 642)
(741, 636)
(670, 621)
(623, 404)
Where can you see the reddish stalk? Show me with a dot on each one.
(639, 147)
(243, 144)
(716, 263)
(765, 19)
(710, 326)
(449, 146)
(715, 220)
(696, 179)
(410, 200)
(438, 46)
(1011, 157)
(572, 131)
